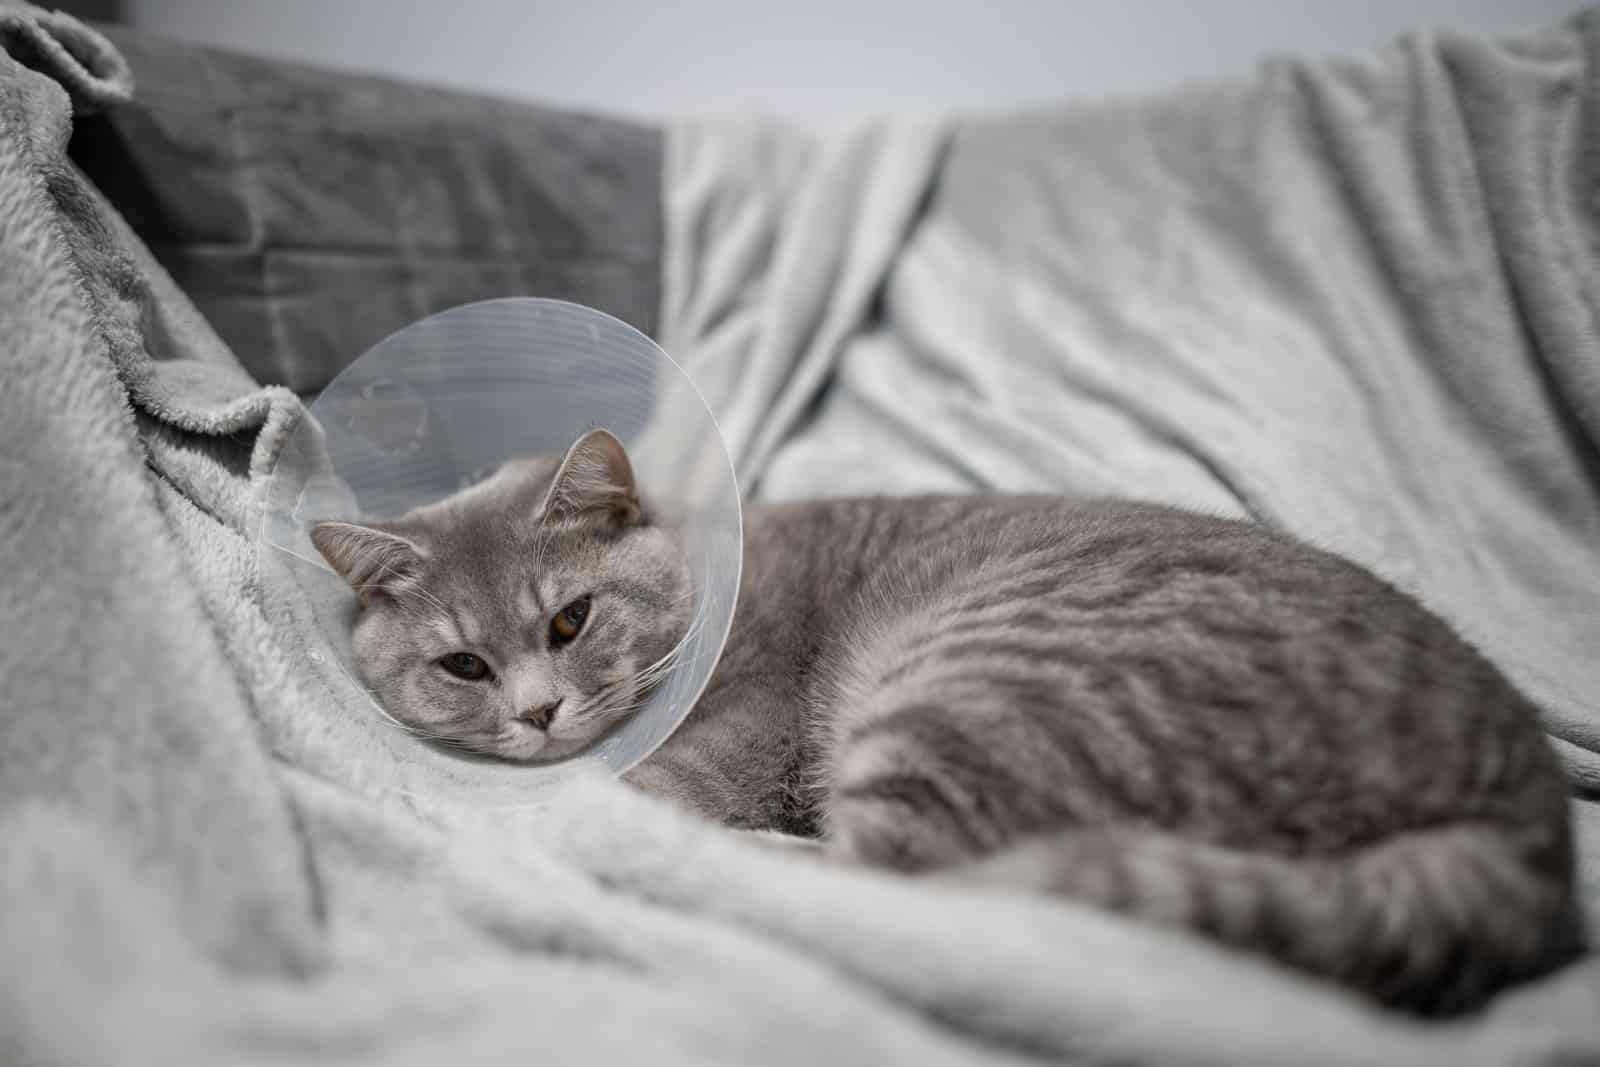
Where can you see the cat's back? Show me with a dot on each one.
(870, 545)
(1188, 718)
(1221, 673)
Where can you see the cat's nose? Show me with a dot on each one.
(541, 715)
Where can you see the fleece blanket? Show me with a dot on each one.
(1358, 300)
(208, 859)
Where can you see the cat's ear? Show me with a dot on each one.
(594, 478)
(375, 562)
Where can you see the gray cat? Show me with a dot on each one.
(1188, 719)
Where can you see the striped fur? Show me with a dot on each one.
(1186, 719)
(484, 572)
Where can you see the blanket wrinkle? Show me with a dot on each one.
(209, 843)
(1369, 319)
(92, 723)
(1356, 349)
(881, 174)
(82, 61)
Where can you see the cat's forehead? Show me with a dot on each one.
(516, 486)
(499, 555)
(490, 546)
(494, 585)
(490, 516)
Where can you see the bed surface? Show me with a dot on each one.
(1354, 299)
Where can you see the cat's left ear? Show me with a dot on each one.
(595, 478)
(374, 562)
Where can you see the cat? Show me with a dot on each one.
(1188, 719)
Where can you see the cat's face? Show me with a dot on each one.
(523, 617)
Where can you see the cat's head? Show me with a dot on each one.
(524, 616)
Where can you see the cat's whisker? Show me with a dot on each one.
(415, 731)
(409, 728)
(401, 589)
(543, 535)
(611, 711)
(1063, 676)
(426, 597)
(667, 662)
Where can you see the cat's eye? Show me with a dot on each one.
(568, 622)
(465, 665)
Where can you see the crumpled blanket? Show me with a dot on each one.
(209, 858)
(1358, 300)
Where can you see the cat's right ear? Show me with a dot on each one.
(595, 478)
(375, 562)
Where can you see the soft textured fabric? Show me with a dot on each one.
(309, 214)
(210, 857)
(1358, 300)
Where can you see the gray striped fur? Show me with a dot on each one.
(485, 571)
(1186, 719)
(1183, 718)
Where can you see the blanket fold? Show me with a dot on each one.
(101, 608)
(77, 58)
(211, 857)
(1354, 299)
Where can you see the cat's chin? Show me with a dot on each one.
(561, 747)
(527, 744)
(521, 741)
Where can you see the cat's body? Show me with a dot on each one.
(1187, 719)
(1181, 717)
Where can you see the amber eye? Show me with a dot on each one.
(465, 665)
(569, 621)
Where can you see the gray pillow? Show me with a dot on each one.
(309, 214)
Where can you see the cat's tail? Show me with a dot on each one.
(1431, 920)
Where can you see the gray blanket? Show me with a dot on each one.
(208, 859)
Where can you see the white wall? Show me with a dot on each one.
(826, 57)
